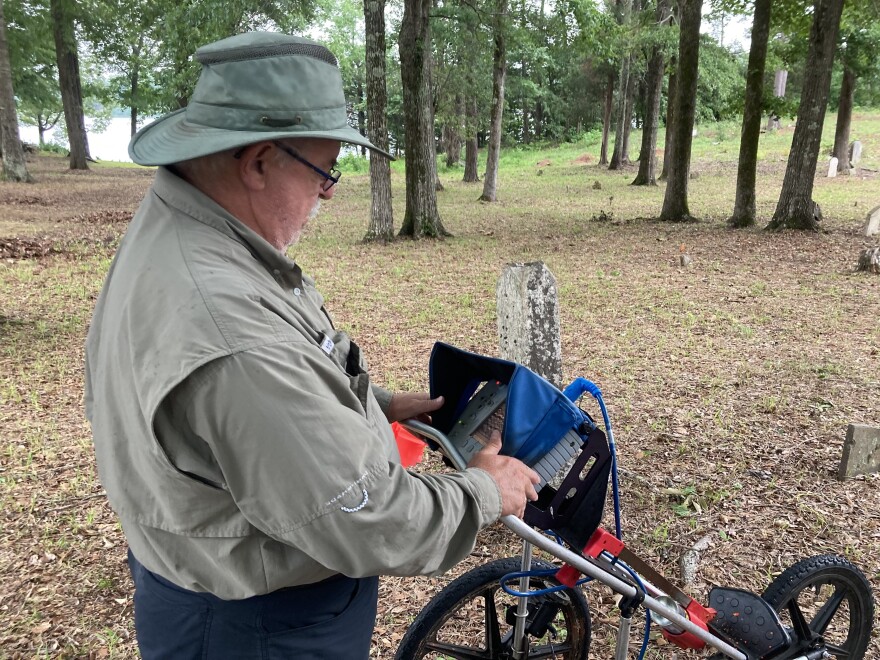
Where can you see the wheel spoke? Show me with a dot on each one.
(820, 622)
(549, 651)
(493, 630)
(457, 652)
(838, 651)
(798, 621)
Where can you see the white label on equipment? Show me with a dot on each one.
(327, 345)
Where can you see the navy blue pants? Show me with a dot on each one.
(332, 619)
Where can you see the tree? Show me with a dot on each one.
(499, 71)
(14, 165)
(624, 85)
(648, 158)
(675, 201)
(421, 219)
(796, 208)
(71, 85)
(381, 216)
(744, 207)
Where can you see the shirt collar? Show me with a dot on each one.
(176, 192)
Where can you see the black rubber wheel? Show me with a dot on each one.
(466, 620)
(825, 601)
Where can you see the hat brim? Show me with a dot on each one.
(171, 139)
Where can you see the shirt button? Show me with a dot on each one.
(297, 291)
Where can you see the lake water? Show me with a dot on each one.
(109, 144)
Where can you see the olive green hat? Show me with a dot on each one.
(253, 87)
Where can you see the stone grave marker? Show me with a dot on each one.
(869, 261)
(855, 153)
(832, 167)
(872, 222)
(861, 451)
(528, 319)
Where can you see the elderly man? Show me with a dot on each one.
(237, 432)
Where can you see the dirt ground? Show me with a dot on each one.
(730, 383)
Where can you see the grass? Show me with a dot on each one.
(731, 381)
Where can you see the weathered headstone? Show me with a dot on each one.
(861, 451)
(855, 153)
(872, 222)
(832, 167)
(869, 261)
(528, 319)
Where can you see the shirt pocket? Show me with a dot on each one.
(346, 354)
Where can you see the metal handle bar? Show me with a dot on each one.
(547, 544)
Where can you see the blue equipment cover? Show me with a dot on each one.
(537, 414)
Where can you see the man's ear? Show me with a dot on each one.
(253, 164)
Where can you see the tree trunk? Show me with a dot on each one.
(499, 70)
(654, 88)
(134, 80)
(675, 201)
(606, 119)
(668, 134)
(744, 207)
(381, 217)
(844, 120)
(796, 208)
(432, 162)
(471, 175)
(622, 86)
(362, 115)
(69, 80)
(627, 124)
(14, 164)
(422, 219)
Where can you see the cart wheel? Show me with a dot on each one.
(825, 601)
(466, 620)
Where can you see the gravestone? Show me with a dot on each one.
(855, 153)
(861, 451)
(869, 261)
(872, 223)
(832, 167)
(528, 319)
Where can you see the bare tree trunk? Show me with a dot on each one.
(14, 164)
(499, 71)
(362, 115)
(744, 210)
(670, 118)
(606, 119)
(844, 120)
(471, 175)
(432, 163)
(69, 80)
(654, 88)
(796, 208)
(422, 219)
(381, 217)
(675, 201)
(134, 80)
(627, 124)
(619, 127)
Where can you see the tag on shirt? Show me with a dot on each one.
(327, 345)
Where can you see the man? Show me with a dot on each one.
(237, 432)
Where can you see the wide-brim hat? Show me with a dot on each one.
(253, 87)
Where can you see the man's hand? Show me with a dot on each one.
(408, 405)
(515, 479)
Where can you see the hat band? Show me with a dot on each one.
(270, 121)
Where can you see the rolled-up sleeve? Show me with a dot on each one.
(308, 462)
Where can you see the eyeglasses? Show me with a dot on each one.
(331, 178)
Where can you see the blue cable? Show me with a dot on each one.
(647, 611)
(538, 592)
(573, 392)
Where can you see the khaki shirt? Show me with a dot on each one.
(237, 433)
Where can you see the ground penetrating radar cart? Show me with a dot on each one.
(520, 607)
